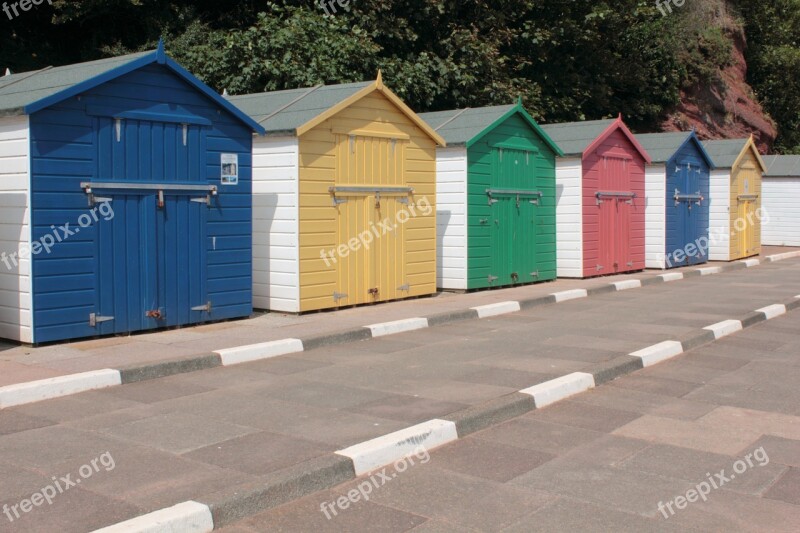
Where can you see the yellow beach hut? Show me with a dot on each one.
(344, 192)
(735, 199)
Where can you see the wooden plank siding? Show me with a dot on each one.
(15, 232)
(616, 142)
(373, 114)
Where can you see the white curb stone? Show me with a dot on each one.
(652, 355)
(557, 389)
(399, 326)
(627, 284)
(674, 276)
(772, 311)
(781, 257)
(379, 452)
(751, 262)
(725, 328)
(710, 270)
(570, 295)
(502, 308)
(257, 352)
(45, 389)
(186, 517)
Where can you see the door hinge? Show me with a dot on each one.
(95, 319)
(535, 274)
(203, 200)
(630, 263)
(205, 308)
(339, 296)
(94, 200)
(492, 279)
(338, 201)
(600, 267)
(404, 288)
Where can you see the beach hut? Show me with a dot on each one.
(345, 195)
(676, 200)
(781, 201)
(600, 207)
(735, 199)
(125, 202)
(495, 197)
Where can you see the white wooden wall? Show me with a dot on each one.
(451, 218)
(16, 303)
(276, 259)
(781, 203)
(655, 216)
(720, 213)
(569, 217)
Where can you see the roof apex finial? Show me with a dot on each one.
(225, 93)
(379, 80)
(519, 100)
(161, 52)
(8, 72)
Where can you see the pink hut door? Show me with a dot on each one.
(615, 204)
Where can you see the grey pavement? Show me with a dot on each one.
(19, 364)
(606, 459)
(195, 435)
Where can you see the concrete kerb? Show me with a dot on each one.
(330, 470)
(164, 369)
(186, 517)
(206, 361)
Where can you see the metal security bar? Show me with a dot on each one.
(378, 191)
(537, 195)
(617, 195)
(88, 187)
(696, 198)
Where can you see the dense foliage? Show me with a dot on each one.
(570, 60)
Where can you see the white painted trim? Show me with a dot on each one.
(772, 311)
(46, 389)
(652, 355)
(452, 218)
(555, 390)
(16, 294)
(725, 328)
(709, 271)
(569, 217)
(381, 451)
(574, 294)
(257, 352)
(502, 308)
(627, 284)
(398, 326)
(276, 226)
(655, 214)
(186, 517)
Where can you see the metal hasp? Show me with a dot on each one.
(535, 195)
(616, 195)
(95, 319)
(88, 188)
(696, 198)
(492, 279)
(204, 308)
(339, 296)
(404, 288)
(367, 190)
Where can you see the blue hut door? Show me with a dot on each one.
(691, 222)
(152, 255)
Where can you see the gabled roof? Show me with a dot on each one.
(29, 92)
(296, 111)
(782, 166)
(577, 138)
(663, 146)
(465, 127)
(727, 153)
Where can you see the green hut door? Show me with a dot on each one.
(514, 200)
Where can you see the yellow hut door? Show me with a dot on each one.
(746, 240)
(371, 200)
